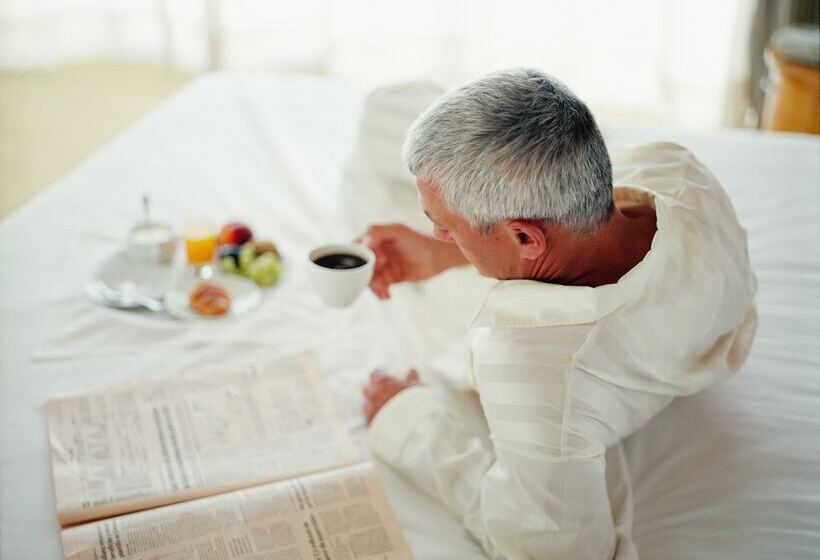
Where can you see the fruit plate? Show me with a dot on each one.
(245, 296)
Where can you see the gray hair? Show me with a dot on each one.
(515, 144)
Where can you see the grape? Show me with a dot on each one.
(265, 270)
(229, 264)
(263, 247)
(247, 254)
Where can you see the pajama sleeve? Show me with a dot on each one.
(539, 491)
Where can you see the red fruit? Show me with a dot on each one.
(234, 234)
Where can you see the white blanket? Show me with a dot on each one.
(730, 473)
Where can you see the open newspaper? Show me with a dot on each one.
(249, 462)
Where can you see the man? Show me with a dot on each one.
(611, 302)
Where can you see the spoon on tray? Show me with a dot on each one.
(125, 296)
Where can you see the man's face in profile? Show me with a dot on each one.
(493, 254)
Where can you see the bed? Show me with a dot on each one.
(731, 473)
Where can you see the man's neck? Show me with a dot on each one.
(597, 258)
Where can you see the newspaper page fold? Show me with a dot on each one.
(335, 515)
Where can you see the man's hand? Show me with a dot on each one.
(405, 255)
(382, 388)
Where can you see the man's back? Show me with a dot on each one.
(563, 372)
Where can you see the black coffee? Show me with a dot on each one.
(340, 260)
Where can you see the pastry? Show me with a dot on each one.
(210, 299)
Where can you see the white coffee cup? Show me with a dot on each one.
(339, 287)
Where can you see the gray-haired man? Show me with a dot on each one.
(611, 302)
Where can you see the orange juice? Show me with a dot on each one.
(200, 244)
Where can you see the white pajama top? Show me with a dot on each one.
(565, 372)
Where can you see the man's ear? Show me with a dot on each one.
(530, 237)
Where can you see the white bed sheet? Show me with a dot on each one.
(731, 473)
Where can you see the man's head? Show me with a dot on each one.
(503, 161)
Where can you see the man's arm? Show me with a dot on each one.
(539, 492)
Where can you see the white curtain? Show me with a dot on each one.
(676, 61)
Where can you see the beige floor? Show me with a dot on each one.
(49, 122)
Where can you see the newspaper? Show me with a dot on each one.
(182, 437)
(335, 515)
(250, 462)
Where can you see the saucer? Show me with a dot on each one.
(120, 273)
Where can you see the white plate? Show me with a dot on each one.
(119, 273)
(245, 296)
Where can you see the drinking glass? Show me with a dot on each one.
(200, 247)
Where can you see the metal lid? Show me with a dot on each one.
(799, 44)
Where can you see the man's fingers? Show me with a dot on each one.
(387, 270)
(378, 250)
(379, 232)
(383, 387)
(375, 238)
(385, 275)
(380, 287)
(378, 375)
(383, 292)
(369, 412)
(378, 281)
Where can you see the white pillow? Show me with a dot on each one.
(377, 188)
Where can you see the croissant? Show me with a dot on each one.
(210, 299)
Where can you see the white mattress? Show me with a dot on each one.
(731, 473)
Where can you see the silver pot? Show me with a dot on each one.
(151, 243)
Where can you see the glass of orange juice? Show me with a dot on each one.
(200, 247)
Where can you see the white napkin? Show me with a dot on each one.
(290, 317)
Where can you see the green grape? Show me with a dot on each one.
(265, 270)
(247, 254)
(229, 265)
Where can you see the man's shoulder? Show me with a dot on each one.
(664, 168)
(659, 149)
(669, 156)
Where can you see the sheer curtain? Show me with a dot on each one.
(675, 61)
